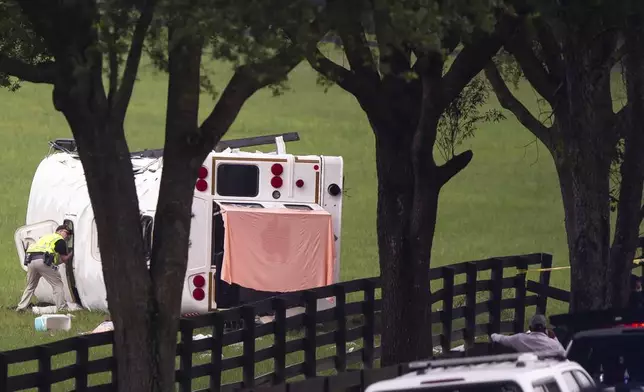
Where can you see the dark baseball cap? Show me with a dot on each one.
(538, 320)
(67, 229)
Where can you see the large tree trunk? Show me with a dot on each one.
(586, 209)
(409, 184)
(143, 330)
(629, 215)
(583, 165)
(108, 170)
(184, 152)
(406, 329)
(143, 304)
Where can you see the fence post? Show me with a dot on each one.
(82, 360)
(544, 280)
(519, 295)
(186, 328)
(341, 331)
(217, 351)
(368, 309)
(470, 309)
(310, 359)
(448, 305)
(279, 305)
(496, 297)
(44, 369)
(4, 371)
(248, 337)
(114, 363)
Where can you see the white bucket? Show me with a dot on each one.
(53, 322)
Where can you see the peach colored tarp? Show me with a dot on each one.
(277, 249)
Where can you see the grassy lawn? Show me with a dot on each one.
(506, 202)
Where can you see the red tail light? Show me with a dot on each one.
(201, 185)
(203, 172)
(299, 183)
(276, 182)
(633, 325)
(277, 169)
(198, 294)
(199, 281)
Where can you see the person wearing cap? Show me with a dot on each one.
(636, 297)
(539, 338)
(42, 260)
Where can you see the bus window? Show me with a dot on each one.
(147, 228)
(70, 239)
(249, 205)
(237, 180)
(95, 246)
(301, 207)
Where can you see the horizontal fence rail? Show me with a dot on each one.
(235, 350)
(349, 381)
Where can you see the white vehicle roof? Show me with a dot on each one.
(477, 370)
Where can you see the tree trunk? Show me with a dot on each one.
(585, 182)
(584, 148)
(406, 220)
(402, 297)
(629, 214)
(108, 170)
(183, 154)
(145, 330)
(586, 209)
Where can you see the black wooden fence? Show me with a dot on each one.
(295, 346)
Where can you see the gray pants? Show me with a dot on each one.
(35, 270)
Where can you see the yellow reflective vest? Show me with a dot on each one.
(47, 244)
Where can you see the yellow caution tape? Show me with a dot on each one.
(524, 271)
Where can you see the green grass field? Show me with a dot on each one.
(506, 202)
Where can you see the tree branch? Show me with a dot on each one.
(473, 58)
(454, 166)
(509, 102)
(604, 70)
(622, 121)
(331, 70)
(550, 47)
(112, 56)
(395, 56)
(247, 80)
(616, 57)
(126, 88)
(539, 78)
(39, 73)
(347, 21)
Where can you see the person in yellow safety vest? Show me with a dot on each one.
(42, 260)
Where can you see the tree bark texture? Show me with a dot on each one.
(629, 214)
(406, 333)
(574, 78)
(108, 170)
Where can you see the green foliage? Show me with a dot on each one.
(115, 25)
(240, 33)
(432, 25)
(460, 119)
(18, 41)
